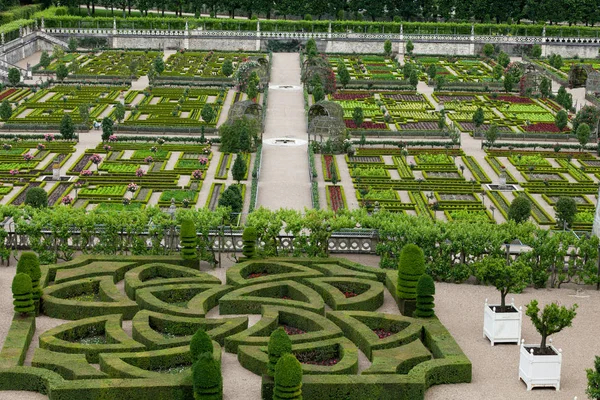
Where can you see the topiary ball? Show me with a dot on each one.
(279, 344)
(412, 261)
(201, 343)
(36, 197)
(21, 284)
(288, 378)
(249, 233)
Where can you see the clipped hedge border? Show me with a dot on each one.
(277, 270)
(368, 300)
(250, 299)
(17, 341)
(69, 366)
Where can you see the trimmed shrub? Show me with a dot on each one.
(188, 241)
(29, 264)
(410, 269)
(36, 197)
(279, 344)
(21, 289)
(200, 344)
(288, 378)
(249, 239)
(425, 292)
(208, 382)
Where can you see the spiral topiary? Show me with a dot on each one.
(208, 382)
(29, 264)
(410, 269)
(249, 239)
(200, 344)
(425, 292)
(21, 289)
(288, 379)
(279, 344)
(188, 241)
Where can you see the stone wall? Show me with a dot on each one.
(229, 44)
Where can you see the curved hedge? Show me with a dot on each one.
(367, 295)
(240, 274)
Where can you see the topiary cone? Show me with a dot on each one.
(201, 343)
(29, 264)
(21, 289)
(249, 240)
(206, 375)
(188, 241)
(288, 379)
(410, 269)
(279, 344)
(425, 292)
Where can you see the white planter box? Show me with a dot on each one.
(540, 371)
(502, 327)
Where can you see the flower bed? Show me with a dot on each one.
(335, 198)
(365, 125)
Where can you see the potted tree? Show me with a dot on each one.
(540, 365)
(501, 322)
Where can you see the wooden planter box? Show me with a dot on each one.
(539, 371)
(502, 327)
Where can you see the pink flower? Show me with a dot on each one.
(112, 138)
(139, 172)
(96, 159)
(86, 172)
(41, 146)
(132, 187)
(48, 137)
(14, 172)
(67, 200)
(203, 160)
(28, 156)
(148, 159)
(107, 147)
(197, 174)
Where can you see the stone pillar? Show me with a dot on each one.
(596, 226)
(114, 26)
(56, 172)
(186, 39)
(43, 26)
(543, 44)
(329, 31)
(401, 42)
(257, 36)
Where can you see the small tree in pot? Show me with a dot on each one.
(505, 277)
(553, 319)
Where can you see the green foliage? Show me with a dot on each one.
(72, 44)
(491, 134)
(343, 74)
(29, 264)
(288, 379)
(107, 128)
(583, 134)
(519, 210)
(566, 208)
(425, 292)
(232, 198)
(61, 72)
(478, 117)
(440, 81)
(119, 112)
(227, 68)
(508, 82)
(311, 47)
(588, 115)
(561, 119)
(564, 98)
(45, 59)
(159, 65)
(201, 343)
(387, 47)
(5, 110)
(84, 113)
(553, 319)
(22, 294)
(497, 72)
(358, 116)
(188, 241)
(231, 134)
(488, 49)
(14, 76)
(208, 113)
(503, 276)
(67, 128)
(410, 269)
(318, 93)
(333, 175)
(432, 71)
(36, 197)
(279, 344)
(238, 171)
(556, 61)
(249, 237)
(536, 51)
(413, 78)
(503, 59)
(593, 376)
(545, 87)
(409, 47)
(252, 86)
(206, 375)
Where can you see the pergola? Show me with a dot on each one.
(326, 121)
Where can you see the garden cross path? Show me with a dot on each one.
(284, 180)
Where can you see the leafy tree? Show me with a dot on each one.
(36, 197)
(407, 69)
(478, 118)
(506, 277)
(208, 113)
(440, 82)
(410, 269)
(343, 74)
(279, 344)
(497, 72)
(491, 134)
(519, 210)
(67, 128)
(583, 134)
(593, 376)
(232, 197)
(249, 237)
(237, 136)
(5, 110)
(508, 82)
(556, 61)
(545, 87)
(22, 294)
(588, 114)
(119, 112)
(58, 52)
(311, 46)
(73, 44)
(227, 68)
(238, 171)
(432, 71)
(107, 128)
(29, 264)
(387, 47)
(425, 292)
(503, 59)
(189, 242)
(133, 67)
(74, 66)
(333, 175)
(442, 120)
(45, 59)
(561, 119)
(152, 75)
(200, 344)
(14, 76)
(413, 78)
(564, 98)
(553, 319)
(207, 378)
(409, 47)
(318, 92)
(488, 49)
(159, 65)
(84, 113)
(61, 72)
(566, 208)
(288, 379)
(358, 116)
(536, 51)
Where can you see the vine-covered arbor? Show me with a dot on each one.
(592, 85)
(326, 121)
(578, 75)
(246, 108)
(529, 85)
